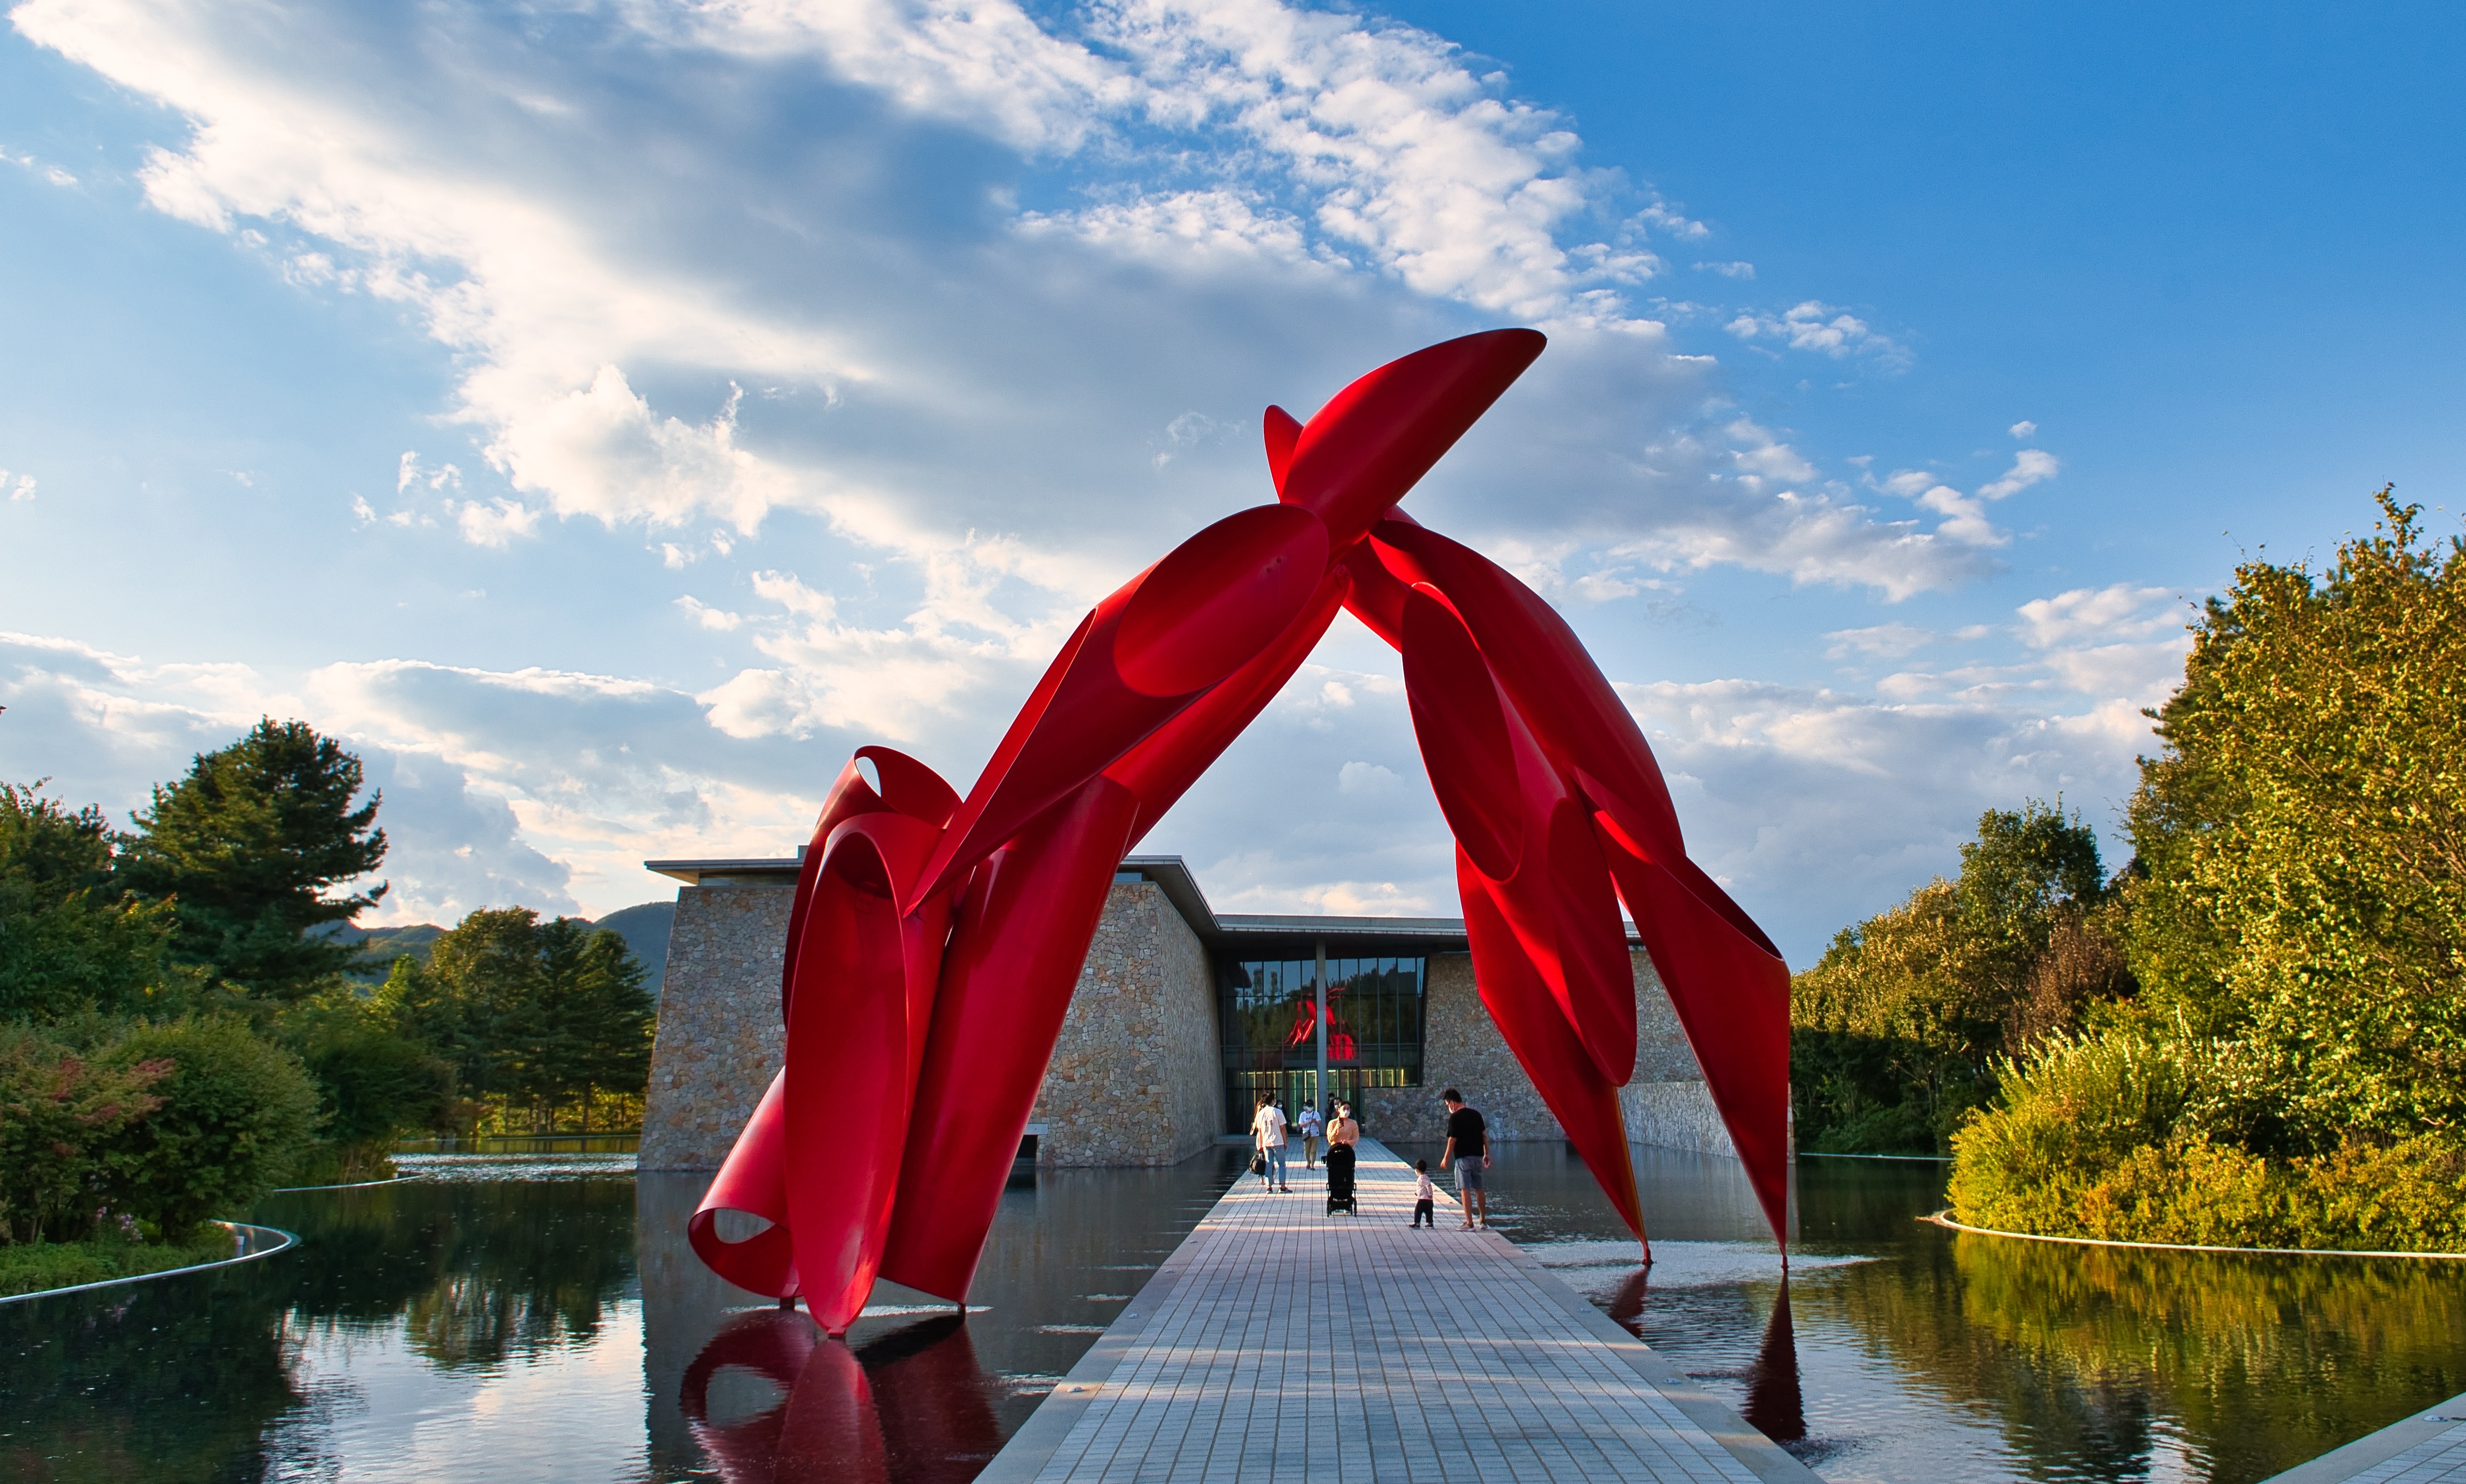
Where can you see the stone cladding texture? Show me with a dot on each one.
(1135, 1076)
(719, 1040)
(1666, 1104)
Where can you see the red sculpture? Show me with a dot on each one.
(936, 940)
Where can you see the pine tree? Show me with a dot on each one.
(247, 845)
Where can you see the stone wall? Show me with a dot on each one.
(719, 1040)
(1134, 1077)
(1666, 1104)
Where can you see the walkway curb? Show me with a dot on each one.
(1764, 1457)
(2375, 1449)
(1033, 1446)
(238, 1228)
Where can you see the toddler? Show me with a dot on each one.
(1423, 1194)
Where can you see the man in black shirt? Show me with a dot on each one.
(1468, 1154)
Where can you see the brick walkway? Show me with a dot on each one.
(2428, 1447)
(1279, 1344)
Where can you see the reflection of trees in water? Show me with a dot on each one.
(480, 1273)
(171, 1381)
(178, 1379)
(2265, 1361)
(913, 1406)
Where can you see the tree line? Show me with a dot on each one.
(2254, 1033)
(181, 1027)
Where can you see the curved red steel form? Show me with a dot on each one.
(935, 940)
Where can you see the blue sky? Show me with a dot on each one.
(606, 415)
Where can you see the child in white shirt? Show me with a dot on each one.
(1424, 1196)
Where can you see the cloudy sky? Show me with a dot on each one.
(608, 414)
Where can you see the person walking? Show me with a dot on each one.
(1425, 1197)
(1468, 1154)
(1268, 1127)
(1310, 1128)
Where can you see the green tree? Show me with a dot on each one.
(248, 845)
(1896, 1028)
(610, 1043)
(2303, 835)
(69, 941)
(374, 1083)
(530, 1014)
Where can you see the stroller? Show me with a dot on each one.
(1340, 1180)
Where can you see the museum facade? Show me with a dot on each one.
(1182, 1016)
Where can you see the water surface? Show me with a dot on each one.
(540, 1319)
(1900, 1351)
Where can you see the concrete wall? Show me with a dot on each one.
(1134, 1077)
(719, 1040)
(1665, 1105)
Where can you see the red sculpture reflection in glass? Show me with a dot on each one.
(936, 940)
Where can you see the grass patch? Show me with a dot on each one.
(33, 1267)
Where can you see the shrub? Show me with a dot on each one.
(62, 1119)
(2406, 1197)
(2066, 1117)
(237, 1113)
(2132, 1138)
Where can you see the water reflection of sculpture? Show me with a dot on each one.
(935, 940)
(911, 1406)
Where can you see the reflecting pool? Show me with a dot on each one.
(543, 1319)
(1900, 1351)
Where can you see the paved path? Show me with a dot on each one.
(2428, 1447)
(1279, 1344)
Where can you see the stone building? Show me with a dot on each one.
(1182, 1015)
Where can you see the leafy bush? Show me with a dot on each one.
(237, 1113)
(62, 1122)
(2129, 1138)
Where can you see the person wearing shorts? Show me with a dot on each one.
(1468, 1154)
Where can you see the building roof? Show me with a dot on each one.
(1264, 933)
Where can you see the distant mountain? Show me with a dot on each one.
(644, 927)
(645, 930)
(385, 944)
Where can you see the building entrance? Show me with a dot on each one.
(1269, 1031)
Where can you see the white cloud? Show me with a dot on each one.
(1728, 270)
(23, 489)
(1366, 779)
(2023, 428)
(2029, 466)
(602, 451)
(1886, 641)
(709, 617)
(496, 524)
(764, 258)
(2116, 611)
(1822, 328)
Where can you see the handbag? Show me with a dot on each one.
(1259, 1163)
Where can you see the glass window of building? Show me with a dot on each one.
(1269, 1031)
